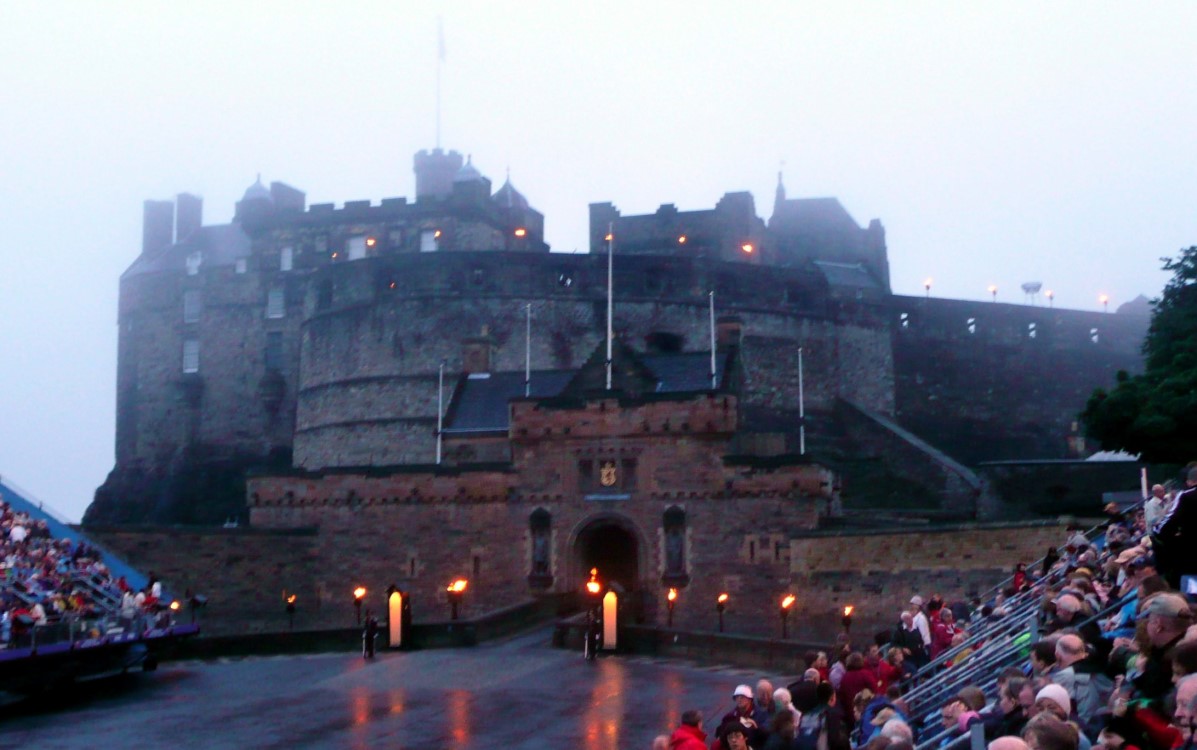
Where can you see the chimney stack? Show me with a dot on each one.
(157, 226)
(189, 215)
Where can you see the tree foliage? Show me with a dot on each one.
(1155, 414)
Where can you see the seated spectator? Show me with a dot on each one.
(1047, 732)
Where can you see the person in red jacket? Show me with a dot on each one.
(942, 631)
(856, 678)
(689, 735)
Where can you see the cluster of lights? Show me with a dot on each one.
(1102, 298)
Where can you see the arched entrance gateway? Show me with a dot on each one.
(613, 545)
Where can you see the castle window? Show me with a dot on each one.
(274, 351)
(241, 265)
(286, 259)
(191, 305)
(673, 523)
(477, 276)
(355, 248)
(565, 280)
(324, 295)
(904, 319)
(540, 529)
(191, 355)
(276, 303)
(1032, 331)
(972, 325)
(194, 261)
(1093, 335)
(430, 240)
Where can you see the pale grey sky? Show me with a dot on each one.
(997, 142)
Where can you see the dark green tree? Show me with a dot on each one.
(1155, 414)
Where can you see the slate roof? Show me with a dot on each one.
(220, 245)
(813, 215)
(479, 404)
(480, 401)
(851, 275)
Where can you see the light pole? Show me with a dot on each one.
(291, 612)
(927, 287)
(1051, 296)
(993, 291)
(1105, 302)
(847, 619)
(786, 603)
(594, 596)
(720, 605)
(670, 600)
(359, 594)
(456, 591)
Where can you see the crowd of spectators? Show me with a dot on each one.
(1095, 646)
(45, 581)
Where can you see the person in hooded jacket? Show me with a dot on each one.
(689, 734)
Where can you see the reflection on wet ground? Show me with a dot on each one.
(517, 694)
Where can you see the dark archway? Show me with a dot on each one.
(611, 548)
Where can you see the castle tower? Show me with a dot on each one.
(435, 171)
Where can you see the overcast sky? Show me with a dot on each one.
(997, 142)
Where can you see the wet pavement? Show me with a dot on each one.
(520, 693)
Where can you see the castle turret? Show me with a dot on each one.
(434, 173)
(256, 202)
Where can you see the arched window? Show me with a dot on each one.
(674, 524)
(540, 531)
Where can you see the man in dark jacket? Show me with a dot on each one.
(1174, 538)
(754, 718)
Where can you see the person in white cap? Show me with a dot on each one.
(753, 718)
(920, 621)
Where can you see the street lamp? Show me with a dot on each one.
(786, 603)
(720, 605)
(847, 619)
(1105, 302)
(594, 593)
(670, 600)
(993, 291)
(291, 612)
(456, 590)
(359, 594)
(1051, 296)
(927, 286)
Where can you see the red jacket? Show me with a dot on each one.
(855, 680)
(687, 737)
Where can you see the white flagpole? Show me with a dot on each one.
(528, 350)
(440, 61)
(714, 382)
(440, 409)
(801, 409)
(610, 294)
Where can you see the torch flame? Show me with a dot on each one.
(359, 592)
(291, 599)
(722, 599)
(788, 601)
(458, 586)
(672, 595)
(174, 606)
(848, 610)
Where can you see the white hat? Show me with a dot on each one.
(743, 690)
(916, 600)
(1057, 694)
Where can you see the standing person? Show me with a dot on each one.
(689, 734)
(748, 715)
(369, 635)
(1153, 509)
(921, 623)
(908, 638)
(1174, 538)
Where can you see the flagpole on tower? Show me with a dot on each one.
(440, 61)
(714, 382)
(610, 293)
(528, 350)
(440, 409)
(801, 409)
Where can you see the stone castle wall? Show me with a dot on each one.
(245, 571)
